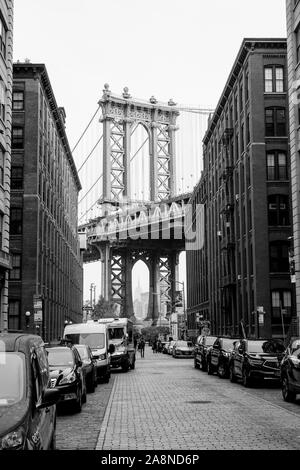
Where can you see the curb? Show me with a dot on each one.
(104, 424)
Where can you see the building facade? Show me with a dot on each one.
(293, 59)
(245, 191)
(46, 279)
(6, 61)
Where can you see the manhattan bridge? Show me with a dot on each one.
(138, 161)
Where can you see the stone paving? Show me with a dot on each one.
(167, 404)
(81, 430)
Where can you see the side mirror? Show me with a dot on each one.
(50, 398)
(111, 348)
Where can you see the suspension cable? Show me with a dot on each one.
(83, 197)
(90, 122)
(90, 154)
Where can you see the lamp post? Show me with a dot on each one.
(27, 318)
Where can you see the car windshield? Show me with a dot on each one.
(209, 340)
(12, 378)
(116, 333)
(267, 347)
(93, 340)
(83, 352)
(227, 343)
(60, 357)
(184, 344)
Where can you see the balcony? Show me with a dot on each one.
(228, 281)
(227, 133)
(228, 244)
(227, 173)
(5, 260)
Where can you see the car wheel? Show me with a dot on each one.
(132, 366)
(78, 404)
(106, 377)
(246, 379)
(286, 393)
(232, 376)
(91, 385)
(209, 368)
(221, 371)
(125, 367)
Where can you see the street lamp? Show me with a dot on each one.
(27, 318)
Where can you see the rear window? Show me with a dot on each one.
(60, 357)
(93, 340)
(209, 340)
(12, 378)
(82, 352)
(228, 343)
(267, 347)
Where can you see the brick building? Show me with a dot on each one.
(46, 279)
(293, 59)
(6, 58)
(240, 278)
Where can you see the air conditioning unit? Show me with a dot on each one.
(227, 224)
(239, 277)
(219, 233)
(237, 197)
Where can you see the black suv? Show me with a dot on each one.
(66, 373)
(290, 371)
(202, 346)
(255, 359)
(27, 404)
(218, 357)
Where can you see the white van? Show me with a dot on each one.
(120, 333)
(95, 335)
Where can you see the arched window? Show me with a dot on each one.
(275, 120)
(278, 210)
(277, 165)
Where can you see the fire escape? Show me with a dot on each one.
(228, 278)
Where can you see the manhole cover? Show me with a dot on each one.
(198, 402)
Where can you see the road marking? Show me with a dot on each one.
(103, 429)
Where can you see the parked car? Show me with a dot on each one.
(183, 349)
(170, 348)
(89, 366)
(66, 373)
(202, 347)
(27, 405)
(218, 357)
(165, 347)
(256, 359)
(290, 371)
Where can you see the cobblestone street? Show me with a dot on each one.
(167, 404)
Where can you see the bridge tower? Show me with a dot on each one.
(120, 115)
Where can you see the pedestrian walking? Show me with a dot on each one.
(154, 346)
(135, 342)
(142, 347)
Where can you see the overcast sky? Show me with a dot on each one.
(167, 48)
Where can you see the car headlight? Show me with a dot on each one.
(69, 379)
(226, 354)
(102, 356)
(12, 440)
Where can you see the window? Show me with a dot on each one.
(18, 100)
(278, 210)
(1, 230)
(15, 272)
(2, 99)
(275, 122)
(279, 257)
(2, 38)
(13, 314)
(16, 216)
(274, 79)
(1, 167)
(17, 138)
(297, 34)
(17, 177)
(277, 166)
(281, 300)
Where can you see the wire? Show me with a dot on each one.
(91, 152)
(83, 197)
(90, 122)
